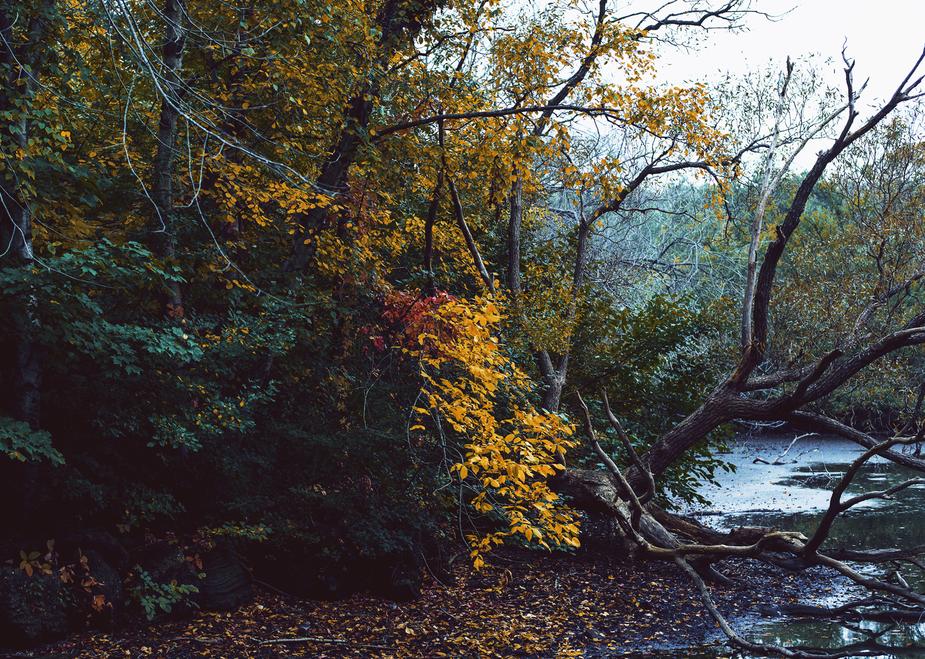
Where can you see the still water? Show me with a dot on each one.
(793, 496)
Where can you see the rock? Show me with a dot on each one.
(165, 563)
(404, 583)
(306, 575)
(227, 584)
(396, 577)
(327, 583)
(32, 609)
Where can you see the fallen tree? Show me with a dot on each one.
(757, 391)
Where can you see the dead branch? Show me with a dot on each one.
(467, 234)
(631, 451)
(824, 423)
(318, 639)
(895, 601)
(779, 459)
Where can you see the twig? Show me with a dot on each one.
(272, 588)
(318, 639)
(778, 460)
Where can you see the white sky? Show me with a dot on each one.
(883, 36)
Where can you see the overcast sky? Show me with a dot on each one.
(883, 36)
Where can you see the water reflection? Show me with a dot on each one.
(793, 495)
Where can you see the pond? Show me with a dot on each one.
(793, 496)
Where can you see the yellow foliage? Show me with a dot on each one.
(511, 448)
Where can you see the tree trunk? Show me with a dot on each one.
(428, 261)
(768, 184)
(164, 225)
(552, 397)
(397, 21)
(24, 65)
(515, 220)
(16, 218)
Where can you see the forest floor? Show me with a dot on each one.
(555, 606)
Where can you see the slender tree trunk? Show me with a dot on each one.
(333, 176)
(24, 64)
(467, 235)
(768, 183)
(432, 210)
(555, 377)
(27, 401)
(16, 218)
(515, 221)
(236, 123)
(164, 224)
(552, 397)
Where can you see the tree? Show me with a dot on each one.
(813, 381)
(163, 224)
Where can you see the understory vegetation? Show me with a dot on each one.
(338, 294)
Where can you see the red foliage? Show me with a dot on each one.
(405, 316)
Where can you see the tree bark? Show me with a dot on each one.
(710, 415)
(467, 235)
(24, 64)
(164, 224)
(768, 184)
(432, 210)
(515, 221)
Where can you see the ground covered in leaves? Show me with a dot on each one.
(549, 607)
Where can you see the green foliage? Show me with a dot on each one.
(655, 361)
(21, 443)
(342, 498)
(156, 598)
(237, 419)
(253, 532)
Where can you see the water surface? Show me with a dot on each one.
(793, 495)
